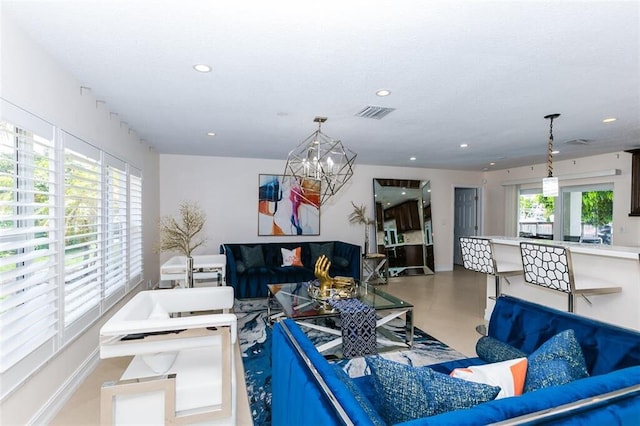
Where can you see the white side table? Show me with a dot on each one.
(375, 268)
(207, 268)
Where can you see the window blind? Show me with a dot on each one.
(135, 226)
(115, 274)
(70, 239)
(83, 237)
(28, 260)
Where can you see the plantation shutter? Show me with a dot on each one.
(135, 226)
(28, 260)
(83, 239)
(115, 277)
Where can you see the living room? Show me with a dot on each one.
(34, 84)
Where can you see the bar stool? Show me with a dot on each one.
(478, 255)
(550, 266)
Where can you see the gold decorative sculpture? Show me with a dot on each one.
(332, 287)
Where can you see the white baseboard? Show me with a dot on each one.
(52, 407)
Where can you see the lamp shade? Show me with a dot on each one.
(550, 187)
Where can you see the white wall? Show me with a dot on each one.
(30, 79)
(626, 229)
(227, 190)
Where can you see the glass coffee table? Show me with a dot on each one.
(292, 300)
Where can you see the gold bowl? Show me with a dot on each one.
(339, 290)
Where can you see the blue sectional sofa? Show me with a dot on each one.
(309, 390)
(250, 267)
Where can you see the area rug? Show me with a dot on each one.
(254, 335)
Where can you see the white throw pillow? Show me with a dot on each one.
(291, 257)
(509, 375)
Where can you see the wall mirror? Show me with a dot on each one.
(403, 225)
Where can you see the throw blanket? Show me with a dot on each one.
(358, 327)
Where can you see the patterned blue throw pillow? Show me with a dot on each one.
(405, 392)
(558, 361)
(364, 402)
(493, 350)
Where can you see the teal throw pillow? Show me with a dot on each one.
(252, 256)
(318, 250)
(405, 392)
(558, 361)
(493, 350)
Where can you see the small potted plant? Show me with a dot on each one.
(359, 216)
(181, 234)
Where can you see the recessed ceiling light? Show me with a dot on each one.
(555, 152)
(464, 145)
(404, 192)
(492, 164)
(202, 68)
(211, 134)
(609, 120)
(412, 158)
(383, 92)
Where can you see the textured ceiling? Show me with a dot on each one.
(475, 72)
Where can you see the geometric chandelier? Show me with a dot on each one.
(321, 162)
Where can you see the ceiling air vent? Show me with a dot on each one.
(579, 142)
(376, 112)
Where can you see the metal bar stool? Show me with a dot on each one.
(478, 255)
(550, 266)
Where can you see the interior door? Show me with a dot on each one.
(466, 218)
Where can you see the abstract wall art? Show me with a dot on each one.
(288, 205)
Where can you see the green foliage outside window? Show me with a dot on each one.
(597, 207)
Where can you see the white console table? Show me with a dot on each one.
(206, 268)
(594, 265)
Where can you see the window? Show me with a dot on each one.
(580, 214)
(535, 214)
(28, 258)
(83, 237)
(135, 228)
(587, 214)
(116, 229)
(70, 239)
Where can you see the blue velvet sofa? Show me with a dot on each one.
(309, 390)
(249, 277)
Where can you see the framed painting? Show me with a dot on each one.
(288, 205)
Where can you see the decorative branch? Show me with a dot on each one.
(180, 235)
(359, 215)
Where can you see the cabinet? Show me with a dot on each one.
(406, 215)
(429, 258)
(414, 255)
(379, 217)
(635, 182)
(404, 258)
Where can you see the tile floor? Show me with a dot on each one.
(448, 305)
